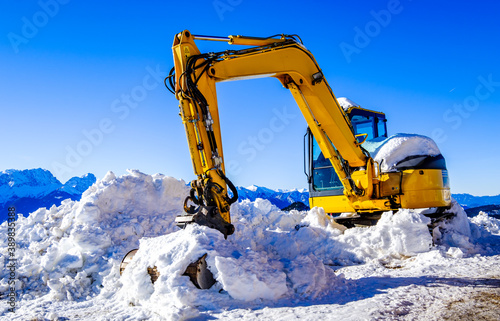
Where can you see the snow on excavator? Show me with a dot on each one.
(350, 164)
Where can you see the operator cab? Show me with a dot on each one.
(368, 126)
(368, 122)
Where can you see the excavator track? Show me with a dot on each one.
(440, 215)
(358, 220)
(437, 216)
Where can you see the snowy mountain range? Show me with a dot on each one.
(31, 189)
(469, 201)
(280, 198)
(284, 198)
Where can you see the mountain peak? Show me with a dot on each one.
(252, 188)
(255, 188)
(35, 182)
(38, 183)
(280, 198)
(78, 185)
(28, 175)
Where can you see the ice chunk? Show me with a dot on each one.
(250, 277)
(455, 252)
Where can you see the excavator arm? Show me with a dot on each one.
(282, 57)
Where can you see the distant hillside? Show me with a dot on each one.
(299, 206)
(30, 189)
(491, 210)
(468, 201)
(280, 198)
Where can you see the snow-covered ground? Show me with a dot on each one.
(278, 265)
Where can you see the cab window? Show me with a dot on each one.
(363, 125)
(373, 126)
(381, 127)
(324, 177)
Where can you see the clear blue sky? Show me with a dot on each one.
(79, 77)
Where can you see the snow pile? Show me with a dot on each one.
(488, 224)
(66, 250)
(455, 232)
(389, 152)
(254, 264)
(275, 256)
(400, 235)
(73, 252)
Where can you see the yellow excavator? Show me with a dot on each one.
(343, 176)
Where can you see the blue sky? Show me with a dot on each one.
(80, 88)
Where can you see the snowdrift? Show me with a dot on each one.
(391, 151)
(73, 252)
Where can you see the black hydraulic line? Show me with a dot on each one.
(191, 209)
(193, 197)
(231, 187)
(198, 98)
(167, 86)
(207, 192)
(171, 81)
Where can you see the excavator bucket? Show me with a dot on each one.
(199, 273)
(126, 260)
(152, 271)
